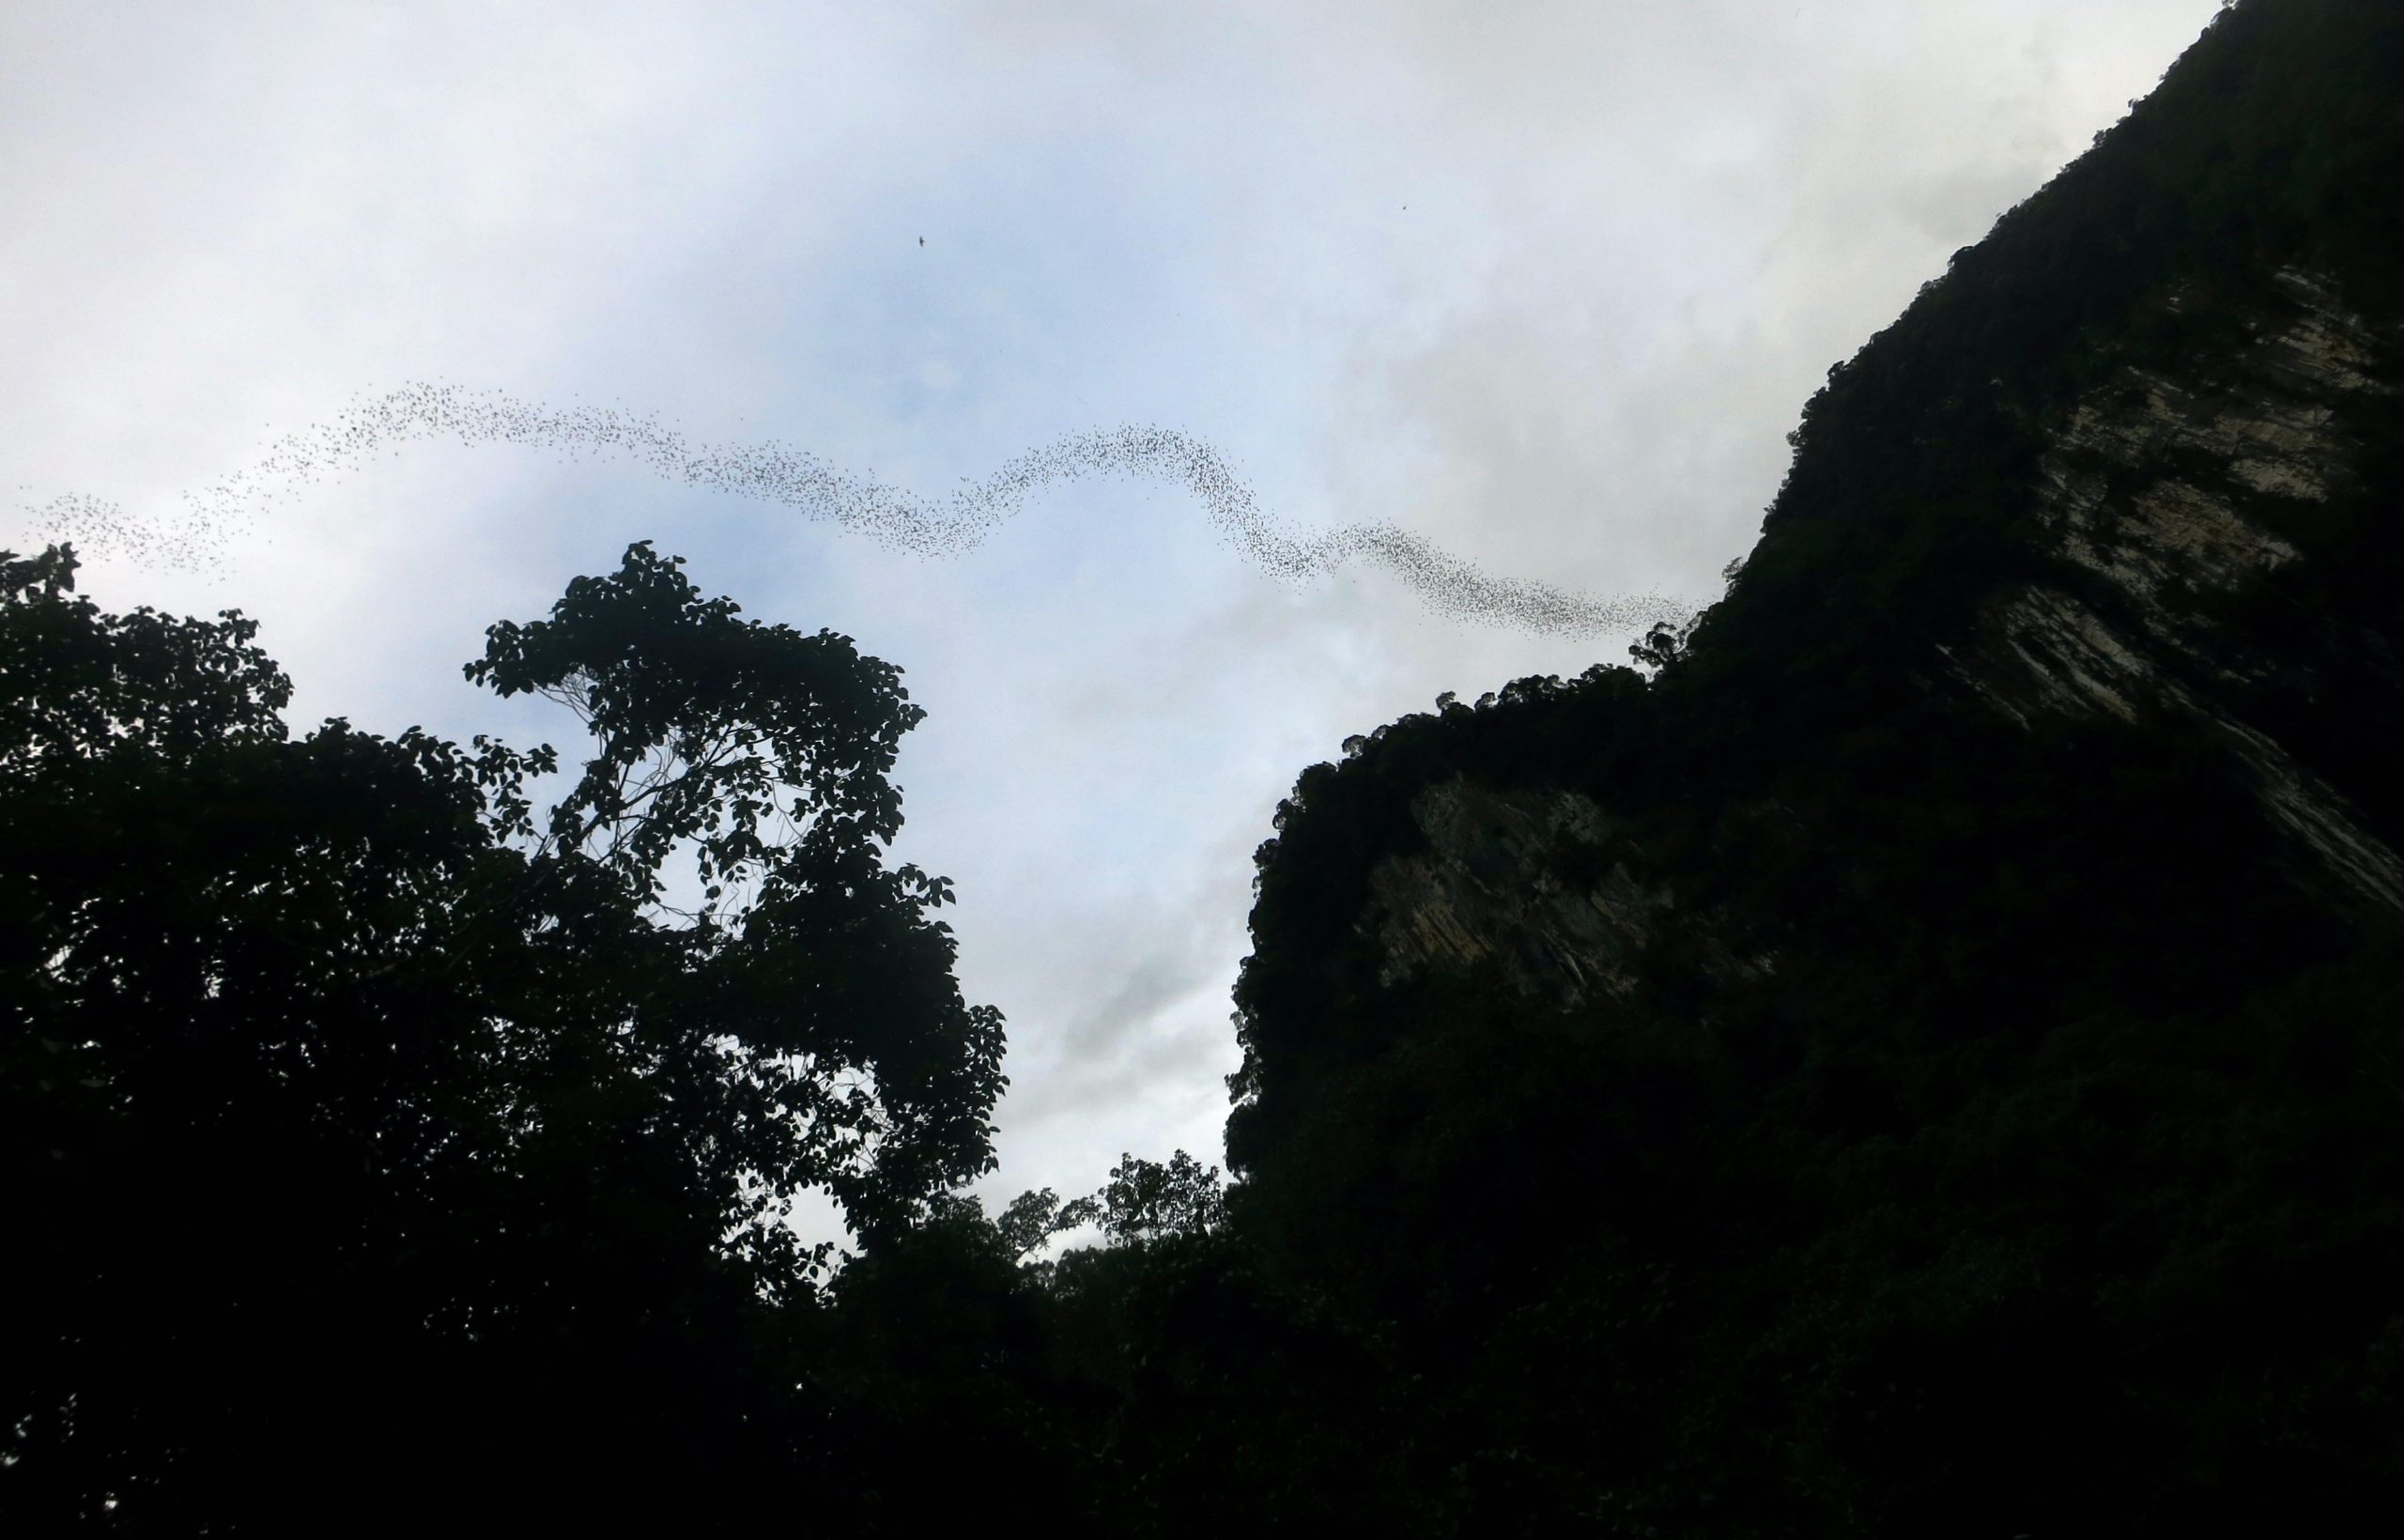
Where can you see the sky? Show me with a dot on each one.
(1539, 285)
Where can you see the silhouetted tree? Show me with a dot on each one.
(372, 1140)
(1144, 1199)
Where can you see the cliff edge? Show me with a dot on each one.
(1942, 1031)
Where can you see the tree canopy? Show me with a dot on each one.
(354, 1107)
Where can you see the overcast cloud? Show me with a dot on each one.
(1543, 284)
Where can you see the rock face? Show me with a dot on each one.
(2163, 493)
(1939, 1035)
(1493, 883)
(2170, 489)
(1530, 884)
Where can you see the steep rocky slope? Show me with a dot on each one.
(1947, 1028)
(2168, 502)
(2178, 486)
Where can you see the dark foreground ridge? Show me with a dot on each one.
(1923, 1055)
(1930, 1060)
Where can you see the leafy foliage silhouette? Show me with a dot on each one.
(359, 1129)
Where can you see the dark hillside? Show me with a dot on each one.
(1930, 1059)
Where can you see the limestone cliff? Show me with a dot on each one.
(2163, 494)
(2173, 487)
(1943, 1028)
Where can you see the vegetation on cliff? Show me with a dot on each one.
(1998, 1137)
